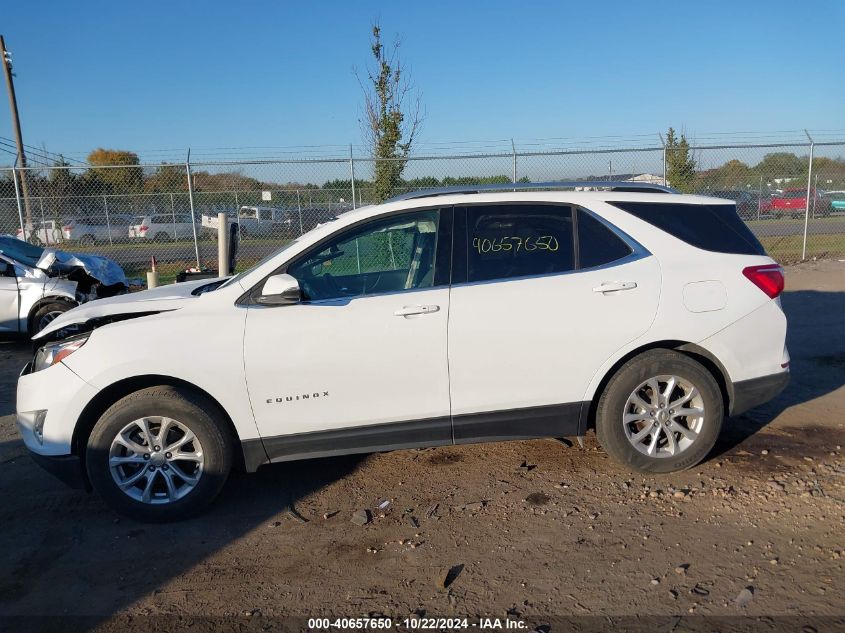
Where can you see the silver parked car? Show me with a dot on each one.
(90, 230)
(38, 284)
(48, 232)
(161, 227)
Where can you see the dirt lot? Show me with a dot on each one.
(569, 534)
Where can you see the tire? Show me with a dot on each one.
(87, 240)
(161, 236)
(185, 409)
(686, 451)
(46, 313)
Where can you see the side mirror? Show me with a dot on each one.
(280, 290)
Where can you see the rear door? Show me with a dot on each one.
(542, 296)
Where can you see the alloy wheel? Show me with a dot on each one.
(156, 460)
(663, 416)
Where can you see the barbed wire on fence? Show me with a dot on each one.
(794, 205)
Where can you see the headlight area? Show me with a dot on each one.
(57, 351)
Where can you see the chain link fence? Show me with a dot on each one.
(791, 196)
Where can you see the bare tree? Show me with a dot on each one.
(392, 116)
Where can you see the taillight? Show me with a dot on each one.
(67, 228)
(143, 228)
(768, 278)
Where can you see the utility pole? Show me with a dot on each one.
(16, 124)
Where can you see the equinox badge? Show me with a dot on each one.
(303, 396)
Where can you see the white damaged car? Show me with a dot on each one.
(38, 284)
(438, 318)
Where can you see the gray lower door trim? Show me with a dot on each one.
(558, 420)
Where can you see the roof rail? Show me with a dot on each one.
(612, 185)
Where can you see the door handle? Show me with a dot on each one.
(412, 310)
(615, 286)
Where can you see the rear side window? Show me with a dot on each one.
(597, 244)
(712, 227)
(505, 241)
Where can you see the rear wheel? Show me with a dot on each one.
(661, 412)
(159, 454)
(161, 236)
(87, 240)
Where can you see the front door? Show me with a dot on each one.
(9, 302)
(547, 294)
(361, 362)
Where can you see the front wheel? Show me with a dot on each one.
(661, 412)
(160, 454)
(46, 314)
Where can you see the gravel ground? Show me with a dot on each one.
(533, 529)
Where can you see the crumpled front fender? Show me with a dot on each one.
(34, 292)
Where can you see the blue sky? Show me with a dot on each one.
(157, 75)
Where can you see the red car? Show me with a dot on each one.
(793, 201)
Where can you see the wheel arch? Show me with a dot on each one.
(696, 352)
(106, 397)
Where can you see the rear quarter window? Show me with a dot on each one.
(597, 244)
(711, 227)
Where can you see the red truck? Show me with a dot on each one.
(793, 201)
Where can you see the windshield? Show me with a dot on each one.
(279, 250)
(20, 250)
(267, 258)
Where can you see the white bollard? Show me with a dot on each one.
(222, 245)
(152, 279)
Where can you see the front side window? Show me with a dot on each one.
(506, 241)
(386, 255)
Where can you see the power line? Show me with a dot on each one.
(38, 160)
(43, 153)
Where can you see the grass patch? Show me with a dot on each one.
(786, 249)
(167, 271)
(797, 220)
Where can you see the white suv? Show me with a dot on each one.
(428, 320)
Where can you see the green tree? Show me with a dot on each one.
(680, 164)
(115, 171)
(391, 115)
(63, 181)
(167, 179)
(731, 175)
(782, 165)
(62, 185)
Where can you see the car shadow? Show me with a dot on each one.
(15, 352)
(52, 534)
(817, 363)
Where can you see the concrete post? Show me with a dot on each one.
(222, 245)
